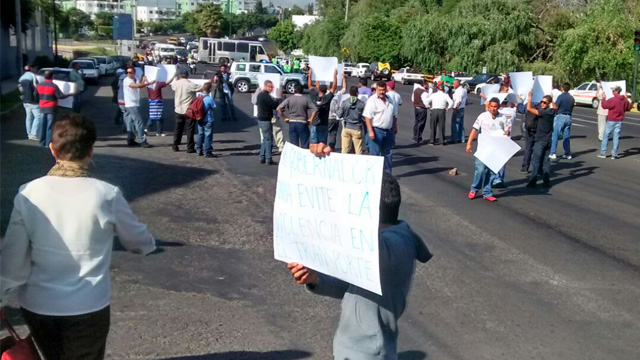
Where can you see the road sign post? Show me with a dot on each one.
(636, 47)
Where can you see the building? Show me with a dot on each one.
(93, 7)
(245, 6)
(301, 20)
(36, 41)
(155, 13)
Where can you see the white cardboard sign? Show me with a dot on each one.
(495, 150)
(67, 88)
(326, 214)
(323, 68)
(607, 85)
(542, 85)
(275, 79)
(488, 90)
(521, 83)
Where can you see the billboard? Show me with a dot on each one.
(122, 27)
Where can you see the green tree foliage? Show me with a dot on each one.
(324, 38)
(210, 19)
(103, 18)
(373, 38)
(75, 21)
(297, 10)
(285, 35)
(190, 23)
(310, 9)
(8, 13)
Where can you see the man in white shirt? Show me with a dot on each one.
(185, 91)
(555, 91)
(381, 118)
(509, 111)
(457, 118)
(131, 90)
(491, 123)
(440, 104)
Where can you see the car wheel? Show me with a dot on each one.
(595, 103)
(290, 87)
(243, 86)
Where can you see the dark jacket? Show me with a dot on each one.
(266, 104)
(28, 88)
(351, 112)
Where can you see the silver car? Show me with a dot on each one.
(106, 64)
(244, 76)
(88, 69)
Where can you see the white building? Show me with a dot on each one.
(301, 20)
(156, 13)
(245, 6)
(93, 7)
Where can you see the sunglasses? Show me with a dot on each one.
(544, 102)
(129, 72)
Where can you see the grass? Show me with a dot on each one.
(9, 100)
(99, 51)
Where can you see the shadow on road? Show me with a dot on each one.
(630, 152)
(251, 355)
(412, 355)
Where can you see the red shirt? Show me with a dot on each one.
(156, 94)
(617, 106)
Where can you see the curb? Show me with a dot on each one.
(10, 109)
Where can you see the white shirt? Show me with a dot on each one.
(131, 95)
(396, 99)
(488, 125)
(510, 116)
(460, 97)
(555, 93)
(438, 100)
(380, 112)
(57, 248)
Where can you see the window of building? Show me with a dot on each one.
(243, 47)
(229, 46)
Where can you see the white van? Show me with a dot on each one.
(162, 50)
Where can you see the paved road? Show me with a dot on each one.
(540, 274)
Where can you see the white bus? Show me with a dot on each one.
(218, 51)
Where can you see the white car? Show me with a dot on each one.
(88, 69)
(586, 94)
(348, 68)
(406, 75)
(106, 64)
(360, 70)
(61, 74)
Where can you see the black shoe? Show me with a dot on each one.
(211, 155)
(191, 151)
(498, 185)
(132, 143)
(200, 154)
(146, 145)
(175, 148)
(523, 171)
(546, 184)
(262, 161)
(272, 163)
(531, 184)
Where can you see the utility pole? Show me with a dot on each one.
(55, 33)
(636, 47)
(18, 37)
(346, 13)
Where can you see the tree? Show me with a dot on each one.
(103, 18)
(310, 9)
(210, 19)
(259, 8)
(374, 38)
(8, 13)
(78, 21)
(190, 23)
(297, 10)
(324, 38)
(285, 35)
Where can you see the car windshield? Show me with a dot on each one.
(182, 52)
(101, 60)
(480, 78)
(85, 65)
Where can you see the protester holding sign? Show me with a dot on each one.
(131, 89)
(322, 96)
(48, 95)
(368, 327)
(617, 106)
(156, 105)
(542, 145)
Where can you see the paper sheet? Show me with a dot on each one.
(326, 213)
(151, 72)
(67, 88)
(542, 86)
(199, 81)
(495, 150)
(607, 85)
(521, 83)
(340, 72)
(323, 67)
(488, 90)
(501, 96)
(138, 73)
(275, 79)
(168, 73)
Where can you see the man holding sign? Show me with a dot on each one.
(48, 94)
(617, 106)
(368, 327)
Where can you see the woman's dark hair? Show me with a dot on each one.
(72, 137)
(390, 199)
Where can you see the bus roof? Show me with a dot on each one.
(232, 40)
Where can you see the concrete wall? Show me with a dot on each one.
(35, 42)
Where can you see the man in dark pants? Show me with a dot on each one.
(440, 105)
(530, 124)
(224, 93)
(542, 144)
(185, 92)
(266, 104)
(420, 111)
(294, 110)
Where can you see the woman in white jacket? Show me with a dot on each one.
(57, 249)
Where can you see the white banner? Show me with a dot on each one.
(340, 72)
(151, 72)
(542, 85)
(326, 214)
(67, 88)
(495, 150)
(274, 78)
(199, 81)
(521, 83)
(323, 68)
(488, 90)
(607, 85)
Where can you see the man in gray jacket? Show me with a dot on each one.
(368, 328)
(350, 111)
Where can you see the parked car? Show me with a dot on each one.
(88, 69)
(120, 60)
(106, 64)
(478, 81)
(173, 41)
(462, 76)
(585, 94)
(192, 45)
(380, 71)
(244, 76)
(181, 55)
(61, 74)
(182, 40)
(361, 70)
(348, 68)
(407, 75)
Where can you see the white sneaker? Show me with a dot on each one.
(568, 157)
(552, 156)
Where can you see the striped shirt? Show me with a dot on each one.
(49, 93)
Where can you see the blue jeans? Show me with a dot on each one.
(561, 123)
(135, 124)
(381, 145)
(499, 178)
(46, 124)
(457, 126)
(32, 119)
(77, 102)
(226, 106)
(614, 126)
(483, 175)
(299, 134)
(205, 134)
(319, 134)
(267, 140)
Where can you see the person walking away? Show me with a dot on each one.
(617, 106)
(76, 77)
(334, 120)
(602, 113)
(368, 326)
(381, 119)
(27, 83)
(562, 122)
(509, 111)
(420, 111)
(118, 97)
(530, 125)
(205, 125)
(489, 123)
(440, 104)
(48, 96)
(156, 106)
(224, 93)
(294, 110)
(266, 106)
(132, 108)
(540, 161)
(457, 118)
(350, 111)
(322, 96)
(555, 91)
(57, 249)
(185, 92)
(393, 94)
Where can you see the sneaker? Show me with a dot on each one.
(200, 154)
(552, 156)
(191, 151)
(132, 143)
(472, 195)
(34, 138)
(499, 185)
(602, 156)
(146, 145)
(490, 198)
(613, 157)
(568, 157)
(175, 148)
(212, 155)
(163, 134)
(262, 161)
(272, 162)
(146, 131)
(523, 171)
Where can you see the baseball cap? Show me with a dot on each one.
(391, 84)
(618, 89)
(120, 71)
